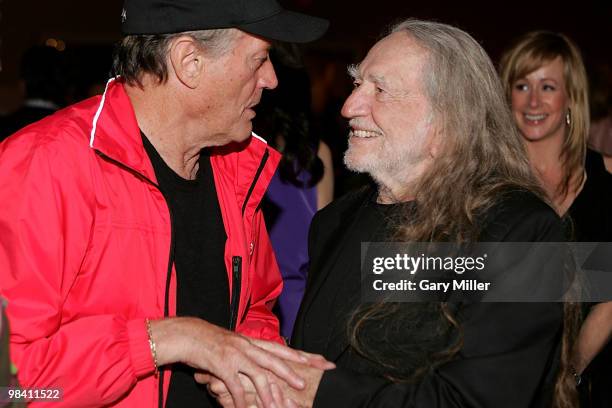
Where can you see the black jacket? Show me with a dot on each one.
(510, 351)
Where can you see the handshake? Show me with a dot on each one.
(239, 371)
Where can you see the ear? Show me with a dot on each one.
(187, 61)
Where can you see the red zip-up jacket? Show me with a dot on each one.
(85, 251)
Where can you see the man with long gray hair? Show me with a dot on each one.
(429, 123)
(133, 254)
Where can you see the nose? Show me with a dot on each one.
(534, 98)
(268, 78)
(356, 104)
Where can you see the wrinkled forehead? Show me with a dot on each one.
(396, 58)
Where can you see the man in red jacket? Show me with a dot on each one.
(127, 210)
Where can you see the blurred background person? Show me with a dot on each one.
(546, 83)
(304, 181)
(43, 78)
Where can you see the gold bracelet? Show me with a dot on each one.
(152, 346)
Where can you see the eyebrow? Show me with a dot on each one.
(524, 78)
(353, 71)
(379, 80)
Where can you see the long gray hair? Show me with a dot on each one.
(482, 156)
(482, 153)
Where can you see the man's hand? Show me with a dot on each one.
(284, 395)
(219, 391)
(297, 356)
(226, 355)
(302, 397)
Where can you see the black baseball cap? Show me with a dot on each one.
(265, 18)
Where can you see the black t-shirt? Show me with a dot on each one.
(591, 210)
(199, 247)
(372, 222)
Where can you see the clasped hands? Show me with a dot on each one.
(294, 391)
(239, 371)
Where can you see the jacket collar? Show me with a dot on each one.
(248, 166)
(115, 133)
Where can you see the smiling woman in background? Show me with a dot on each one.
(546, 83)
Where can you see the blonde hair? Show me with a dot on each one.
(530, 52)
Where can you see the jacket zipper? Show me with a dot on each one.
(237, 279)
(170, 261)
(237, 260)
